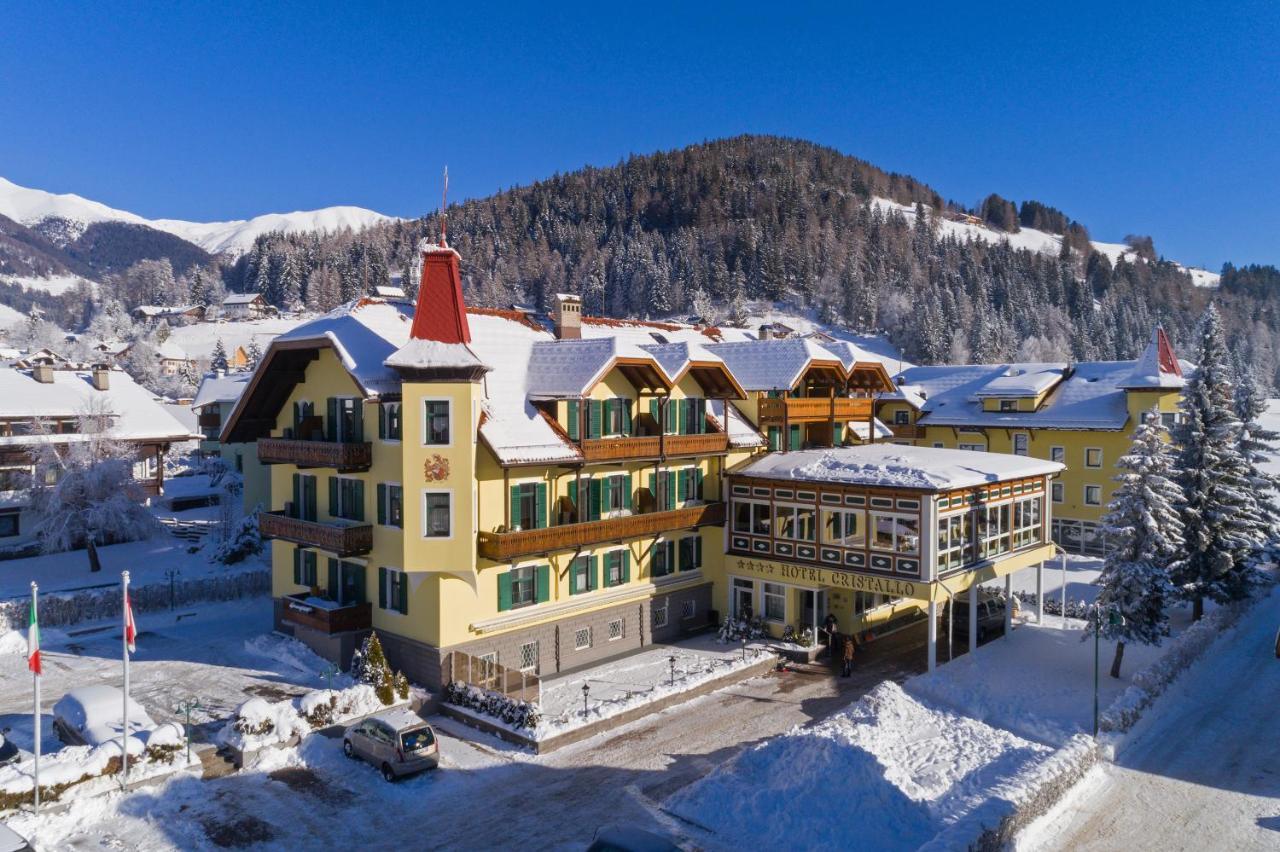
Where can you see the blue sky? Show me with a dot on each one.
(1157, 118)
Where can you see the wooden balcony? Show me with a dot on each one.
(326, 619)
(344, 539)
(652, 446)
(505, 546)
(905, 432)
(342, 456)
(209, 418)
(774, 412)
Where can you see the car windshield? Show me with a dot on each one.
(414, 740)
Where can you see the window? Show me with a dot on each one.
(304, 568)
(901, 417)
(304, 497)
(1008, 405)
(895, 533)
(1168, 419)
(693, 416)
(993, 530)
(8, 524)
(775, 602)
(955, 540)
(1093, 457)
(1059, 492)
(582, 639)
(346, 498)
(435, 422)
(437, 514)
(1020, 444)
(938, 445)
(975, 447)
(389, 421)
(346, 420)
(615, 629)
(751, 518)
(690, 484)
(1058, 454)
(390, 505)
(524, 586)
(660, 615)
(529, 657)
(529, 505)
(662, 485)
(795, 522)
(688, 609)
(617, 416)
(843, 527)
(691, 553)
(1093, 495)
(663, 561)
(580, 575)
(393, 590)
(616, 567)
(614, 494)
(760, 518)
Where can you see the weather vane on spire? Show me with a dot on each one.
(444, 202)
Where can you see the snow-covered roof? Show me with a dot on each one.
(170, 351)
(221, 388)
(894, 466)
(1023, 380)
(741, 433)
(363, 334)
(1156, 368)
(1090, 397)
(424, 354)
(570, 368)
(138, 416)
(764, 365)
(242, 298)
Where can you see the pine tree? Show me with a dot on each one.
(1220, 516)
(255, 354)
(1258, 447)
(1144, 524)
(219, 360)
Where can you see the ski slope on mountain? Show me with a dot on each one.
(31, 206)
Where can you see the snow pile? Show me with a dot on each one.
(888, 773)
(13, 642)
(259, 723)
(289, 651)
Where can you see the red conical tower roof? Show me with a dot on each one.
(441, 312)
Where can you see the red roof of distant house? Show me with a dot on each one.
(441, 312)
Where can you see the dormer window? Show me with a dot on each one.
(1008, 406)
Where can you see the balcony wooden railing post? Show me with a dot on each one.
(502, 547)
(335, 454)
(343, 540)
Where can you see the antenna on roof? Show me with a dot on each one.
(444, 202)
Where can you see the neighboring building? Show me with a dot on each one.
(172, 314)
(1082, 415)
(172, 359)
(44, 405)
(245, 306)
(213, 403)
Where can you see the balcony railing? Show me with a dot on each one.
(652, 446)
(905, 432)
(325, 617)
(340, 455)
(504, 546)
(343, 539)
(810, 409)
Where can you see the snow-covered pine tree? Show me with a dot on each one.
(1220, 516)
(254, 352)
(1257, 445)
(219, 359)
(1145, 527)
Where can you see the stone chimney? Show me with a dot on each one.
(102, 377)
(568, 316)
(42, 373)
(764, 332)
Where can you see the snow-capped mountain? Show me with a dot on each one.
(33, 206)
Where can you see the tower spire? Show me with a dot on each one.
(444, 203)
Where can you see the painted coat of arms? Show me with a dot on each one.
(436, 468)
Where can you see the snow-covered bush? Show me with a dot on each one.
(736, 629)
(1076, 608)
(369, 666)
(242, 541)
(517, 714)
(258, 722)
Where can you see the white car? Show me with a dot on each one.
(91, 715)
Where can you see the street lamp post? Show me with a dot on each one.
(186, 708)
(1114, 618)
(329, 671)
(672, 661)
(744, 649)
(586, 690)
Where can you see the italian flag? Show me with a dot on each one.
(33, 641)
(130, 629)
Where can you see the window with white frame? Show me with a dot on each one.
(775, 602)
(487, 676)
(529, 657)
(1169, 419)
(1058, 454)
(794, 522)
(582, 639)
(613, 493)
(993, 530)
(1093, 495)
(660, 615)
(615, 629)
(1008, 405)
(968, 446)
(901, 417)
(662, 560)
(1093, 457)
(1026, 521)
(580, 575)
(615, 568)
(436, 426)
(1059, 492)
(895, 533)
(437, 514)
(1020, 444)
(955, 539)
(751, 517)
(524, 586)
(844, 527)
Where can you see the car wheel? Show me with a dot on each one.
(387, 774)
(347, 749)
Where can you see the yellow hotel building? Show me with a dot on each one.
(512, 492)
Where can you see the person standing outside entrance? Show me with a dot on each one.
(832, 628)
(848, 657)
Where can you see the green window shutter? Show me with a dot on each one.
(382, 421)
(775, 439)
(671, 489)
(382, 504)
(297, 496)
(357, 418)
(297, 566)
(514, 508)
(593, 418)
(683, 485)
(626, 415)
(544, 583)
(575, 566)
(653, 412)
(653, 488)
(540, 503)
(593, 578)
(597, 496)
(404, 594)
(309, 560)
(332, 580)
(504, 591)
(333, 496)
(697, 551)
(626, 491)
(673, 411)
(626, 565)
(697, 484)
(361, 593)
(297, 419)
(331, 421)
(682, 424)
(382, 588)
(837, 438)
(574, 420)
(795, 437)
(359, 492)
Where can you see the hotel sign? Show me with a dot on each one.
(788, 573)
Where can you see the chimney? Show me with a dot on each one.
(763, 334)
(102, 377)
(42, 373)
(568, 316)
(441, 312)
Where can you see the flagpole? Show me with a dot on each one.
(124, 638)
(34, 627)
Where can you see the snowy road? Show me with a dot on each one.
(1202, 771)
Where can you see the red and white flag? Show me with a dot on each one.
(33, 640)
(130, 629)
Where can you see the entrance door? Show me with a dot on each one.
(813, 608)
(743, 599)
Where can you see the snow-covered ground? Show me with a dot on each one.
(1202, 768)
(55, 284)
(199, 339)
